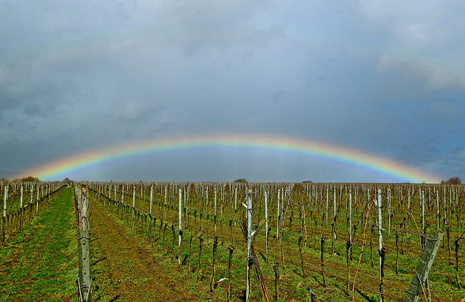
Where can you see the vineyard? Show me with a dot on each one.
(257, 241)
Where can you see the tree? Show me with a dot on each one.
(452, 181)
(27, 179)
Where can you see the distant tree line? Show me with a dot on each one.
(452, 181)
(24, 179)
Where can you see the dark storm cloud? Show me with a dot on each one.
(384, 77)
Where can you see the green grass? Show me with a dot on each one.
(40, 262)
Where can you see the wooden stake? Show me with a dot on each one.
(5, 198)
(381, 250)
(180, 227)
(249, 243)
(266, 225)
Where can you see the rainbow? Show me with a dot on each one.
(335, 153)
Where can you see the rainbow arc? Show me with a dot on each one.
(376, 164)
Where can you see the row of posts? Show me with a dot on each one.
(422, 270)
(48, 190)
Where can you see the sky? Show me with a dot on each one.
(386, 78)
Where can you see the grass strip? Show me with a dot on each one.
(40, 262)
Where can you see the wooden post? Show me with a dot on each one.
(37, 199)
(206, 211)
(408, 202)
(327, 206)
(445, 205)
(349, 250)
(438, 213)
(151, 201)
(423, 230)
(235, 206)
(380, 242)
(122, 201)
(21, 213)
(215, 213)
(349, 242)
(266, 225)
(84, 265)
(133, 204)
(32, 191)
(164, 205)
(335, 206)
(277, 216)
(424, 266)
(84, 280)
(150, 210)
(21, 199)
(249, 243)
(180, 227)
(186, 206)
(5, 198)
(389, 211)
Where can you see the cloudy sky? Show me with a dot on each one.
(383, 77)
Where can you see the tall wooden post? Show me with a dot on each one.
(84, 280)
(21, 212)
(277, 216)
(408, 202)
(389, 197)
(32, 193)
(335, 206)
(180, 227)
(133, 204)
(350, 223)
(235, 206)
(380, 242)
(5, 198)
(215, 212)
(445, 205)
(250, 259)
(37, 199)
(151, 201)
(266, 225)
(21, 199)
(164, 205)
(423, 211)
(327, 206)
(150, 210)
(438, 212)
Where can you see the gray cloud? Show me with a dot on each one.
(386, 78)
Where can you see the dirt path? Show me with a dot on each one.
(126, 268)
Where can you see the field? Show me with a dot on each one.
(188, 241)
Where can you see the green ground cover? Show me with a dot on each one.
(40, 262)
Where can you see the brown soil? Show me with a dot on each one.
(367, 280)
(126, 268)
